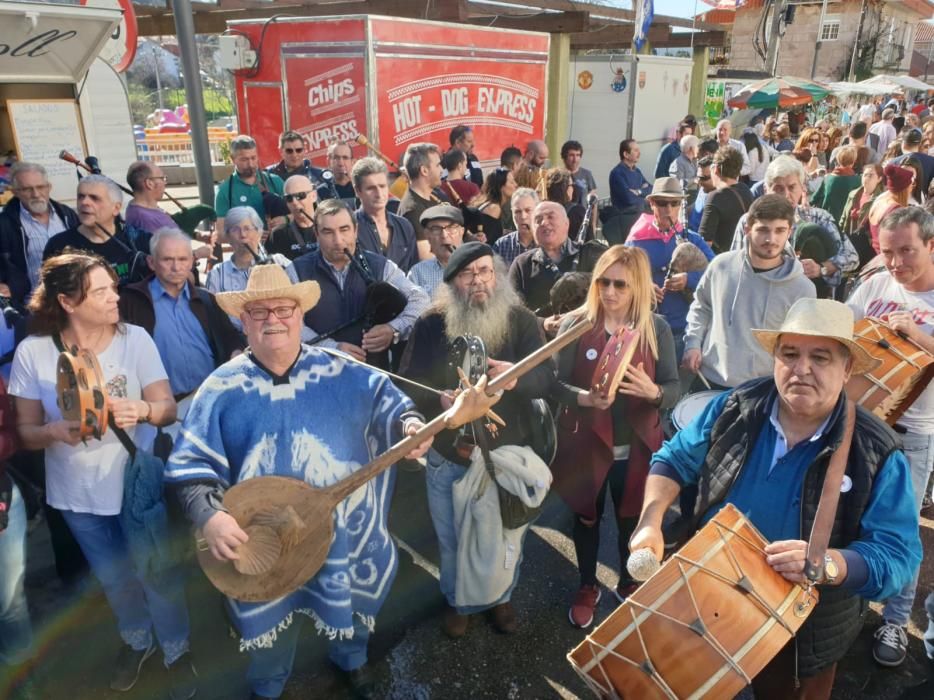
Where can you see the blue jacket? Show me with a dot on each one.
(624, 183)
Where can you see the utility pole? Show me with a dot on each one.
(859, 32)
(778, 14)
(188, 50)
(820, 31)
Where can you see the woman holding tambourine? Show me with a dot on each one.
(75, 306)
(605, 441)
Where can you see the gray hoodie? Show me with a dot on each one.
(732, 299)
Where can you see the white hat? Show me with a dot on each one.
(821, 318)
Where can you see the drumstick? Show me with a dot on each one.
(364, 141)
(704, 380)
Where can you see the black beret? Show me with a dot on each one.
(463, 256)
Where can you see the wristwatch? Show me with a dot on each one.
(396, 337)
(831, 570)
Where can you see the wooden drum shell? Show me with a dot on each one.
(906, 370)
(656, 645)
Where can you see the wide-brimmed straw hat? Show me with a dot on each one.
(666, 188)
(821, 318)
(269, 282)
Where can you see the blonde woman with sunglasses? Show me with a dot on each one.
(605, 442)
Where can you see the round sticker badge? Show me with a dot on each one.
(591, 354)
(242, 197)
(847, 484)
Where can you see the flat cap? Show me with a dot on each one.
(442, 211)
(463, 256)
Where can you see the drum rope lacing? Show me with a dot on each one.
(742, 583)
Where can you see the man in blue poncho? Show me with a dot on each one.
(286, 409)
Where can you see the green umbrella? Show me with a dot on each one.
(779, 92)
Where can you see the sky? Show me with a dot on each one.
(673, 8)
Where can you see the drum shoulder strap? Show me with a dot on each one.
(829, 498)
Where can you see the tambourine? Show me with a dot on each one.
(80, 387)
(613, 361)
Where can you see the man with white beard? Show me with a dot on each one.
(475, 299)
(27, 223)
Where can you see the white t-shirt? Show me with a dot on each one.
(881, 295)
(87, 478)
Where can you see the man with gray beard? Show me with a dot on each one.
(475, 299)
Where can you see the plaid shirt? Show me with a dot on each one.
(427, 274)
(509, 247)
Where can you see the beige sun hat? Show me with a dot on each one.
(666, 188)
(269, 282)
(821, 318)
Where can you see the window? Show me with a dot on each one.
(830, 30)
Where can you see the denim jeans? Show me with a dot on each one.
(15, 627)
(140, 606)
(440, 475)
(270, 668)
(920, 452)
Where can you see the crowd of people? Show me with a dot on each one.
(279, 364)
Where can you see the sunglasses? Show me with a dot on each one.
(605, 282)
(300, 196)
(703, 178)
(293, 150)
(662, 203)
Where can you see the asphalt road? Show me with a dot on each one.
(413, 659)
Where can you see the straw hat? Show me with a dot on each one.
(821, 318)
(269, 282)
(666, 188)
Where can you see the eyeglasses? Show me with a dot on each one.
(484, 275)
(161, 178)
(665, 203)
(300, 196)
(247, 228)
(261, 313)
(605, 282)
(293, 150)
(438, 230)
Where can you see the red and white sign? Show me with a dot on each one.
(327, 100)
(120, 50)
(396, 81)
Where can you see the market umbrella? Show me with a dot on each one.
(779, 92)
(897, 81)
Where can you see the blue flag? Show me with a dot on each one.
(645, 12)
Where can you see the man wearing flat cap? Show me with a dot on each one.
(444, 225)
(475, 299)
(281, 409)
(766, 447)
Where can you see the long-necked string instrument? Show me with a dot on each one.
(299, 518)
(187, 217)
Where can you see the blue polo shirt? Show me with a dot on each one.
(180, 339)
(768, 490)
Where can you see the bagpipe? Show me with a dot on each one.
(187, 218)
(382, 304)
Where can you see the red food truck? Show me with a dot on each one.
(395, 81)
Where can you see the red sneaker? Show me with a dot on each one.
(585, 600)
(624, 589)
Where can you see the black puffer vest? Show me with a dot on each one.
(833, 626)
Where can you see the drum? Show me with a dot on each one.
(905, 372)
(703, 625)
(691, 406)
